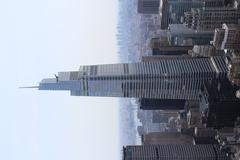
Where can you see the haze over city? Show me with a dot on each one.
(121, 79)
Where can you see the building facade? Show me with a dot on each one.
(219, 105)
(160, 57)
(233, 63)
(173, 10)
(161, 104)
(180, 35)
(227, 37)
(167, 138)
(161, 46)
(148, 6)
(205, 51)
(207, 19)
(174, 152)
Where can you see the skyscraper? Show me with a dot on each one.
(148, 6)
(174, 152)
(205, 51)
(161, 104)
(166, 138)
(219, 105)
(173, 10)
(180, 35)
(161, 46)
(159, 57)
(233, 63)
(207, 19)
(165, 79)
(227, 37)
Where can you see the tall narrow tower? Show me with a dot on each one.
(165, 79)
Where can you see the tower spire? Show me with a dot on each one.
(30, 87)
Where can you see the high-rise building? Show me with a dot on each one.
(148, 6)
(235, 4)
(180, 35)
(233, 63)
(205, 51)
(213, 3)
(193, 117)
(171, 50)
(149, 127)
(160, 57)
(174, 152)
(162, 116)
(219, 105)
(166, 138)
(160, 41)
(147, 123)
(161, 104)
(164, 79)
(207, 19)
(227, 37)
(161, 46)
(173, 10)
(204, 132)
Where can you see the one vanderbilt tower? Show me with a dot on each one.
(163, 79)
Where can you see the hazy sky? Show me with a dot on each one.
(38, 39)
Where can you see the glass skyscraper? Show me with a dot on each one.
(163, 79)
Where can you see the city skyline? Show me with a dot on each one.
(157, 79)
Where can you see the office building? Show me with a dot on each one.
(205, 51)
(161, 104)
(207, 19)
(161, 46)
(171, 50)
(173, 10)
(233, 63)
(166, 138)
(213, 3)
(161, 57)
(164, 79)
(162, 116)
(174, 152)
(227, 37)
(148, 126)
(204, 140)
(148, 6)
(193, 117)
(219, 105)
(180, 35)
(204, 132)
(160, 41)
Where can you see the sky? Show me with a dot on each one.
(37, 40)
